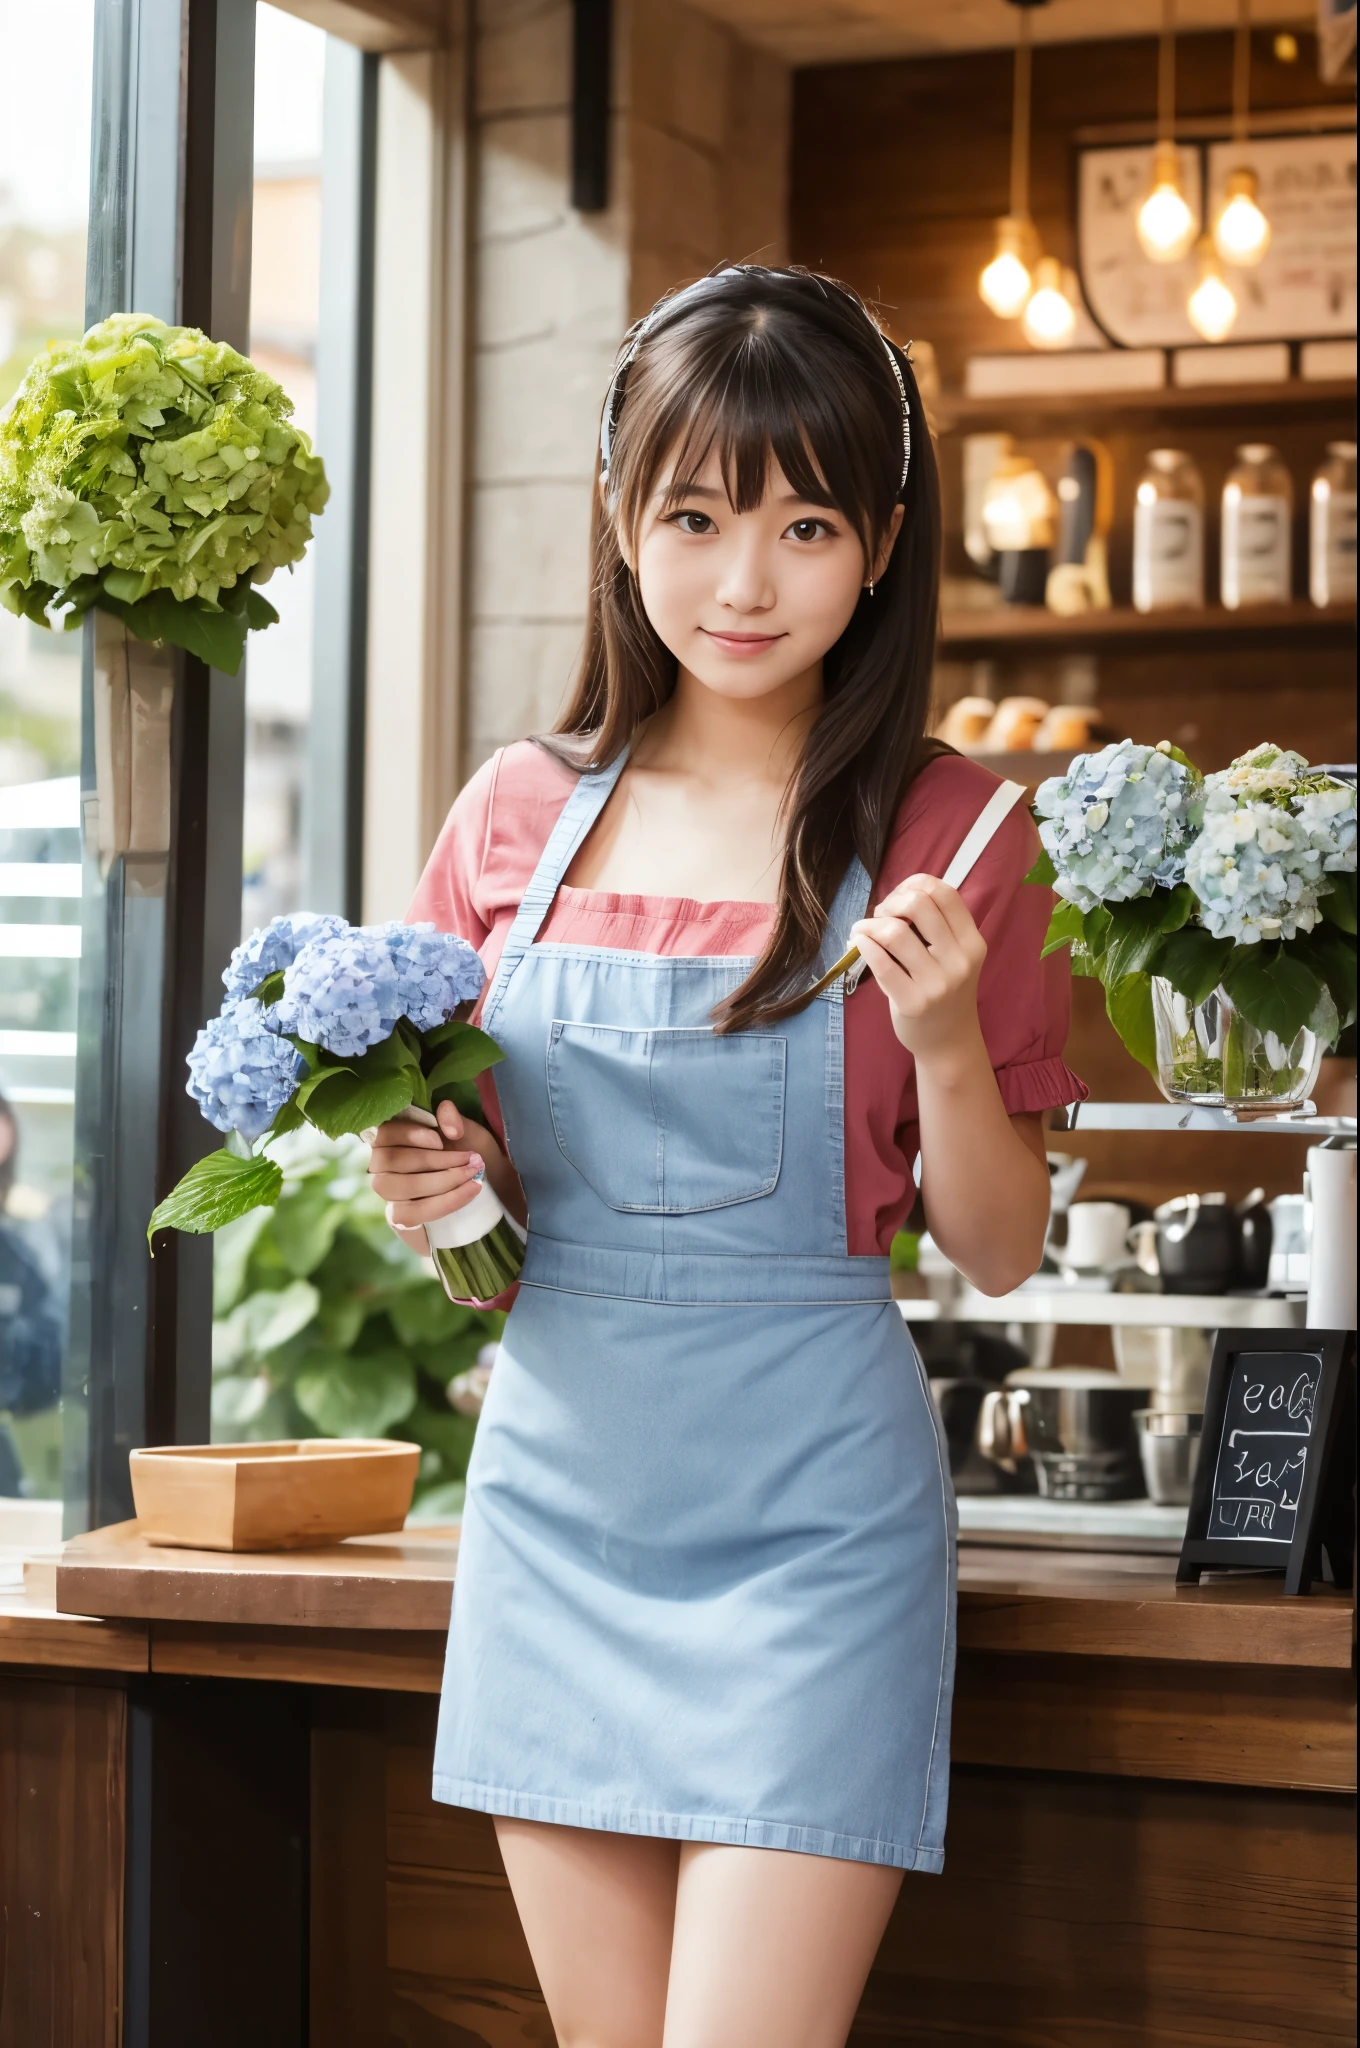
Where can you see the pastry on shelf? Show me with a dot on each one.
(1014, 725)
(965, 723)
(1068, 729)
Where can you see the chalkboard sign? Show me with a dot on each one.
(1274, 1483)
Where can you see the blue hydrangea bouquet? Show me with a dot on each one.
(1218, 912)
(342, 1027)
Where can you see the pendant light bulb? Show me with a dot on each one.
(1050, 315)
(1005, 284)
(1007, 281)
(1212, 306)
(1241, 232)
(1166, 224)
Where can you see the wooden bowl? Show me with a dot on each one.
(279, 1496)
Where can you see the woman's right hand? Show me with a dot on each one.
(423, 1174)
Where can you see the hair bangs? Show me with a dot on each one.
(750, 400)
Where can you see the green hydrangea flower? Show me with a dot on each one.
(157, 474)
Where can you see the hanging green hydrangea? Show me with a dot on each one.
(157, 474)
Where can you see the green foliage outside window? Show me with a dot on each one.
(326, 1324)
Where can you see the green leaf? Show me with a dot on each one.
(216, 1191)
(1330, 954)
(1128, 1003)
(259, 611)
(1096, 925)
(1272, 990)
(389, 1056)
(341, 1319)
(346, 1394)
(270, 989)
(1338, 905)
(1065, 928)
(216, 637)
(1134, 935)
(1178, 906)
(305, 1224)
(231, 1258)
(464, 1057)
(464, 1097)
(284, 1315)
(287, 1117)
(341, 1103)
(424, 1315)
(1192, 960)
(1043, 874)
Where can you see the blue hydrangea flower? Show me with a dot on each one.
(275, 947)
(435, 973)
(1273, 829)
(342, 992)
(1118, 824)
(241, 1072)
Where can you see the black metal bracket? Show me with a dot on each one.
(592, 27)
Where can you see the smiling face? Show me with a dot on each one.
(749, 602)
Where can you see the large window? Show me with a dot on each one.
(44, 185)
(285, 286)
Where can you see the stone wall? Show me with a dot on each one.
(698, 176)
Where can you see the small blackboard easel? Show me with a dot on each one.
(1275, 1483)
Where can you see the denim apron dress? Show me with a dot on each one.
(706, 1582)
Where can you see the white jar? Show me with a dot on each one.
(1168, 533)
(1258, 504)
(1331, 528)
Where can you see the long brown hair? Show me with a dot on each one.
(759, 363)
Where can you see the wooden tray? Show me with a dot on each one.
(279, 1496)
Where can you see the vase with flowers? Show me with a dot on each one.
(1218, 913)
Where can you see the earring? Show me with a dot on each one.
(871, 586)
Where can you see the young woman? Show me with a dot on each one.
(703, 1640)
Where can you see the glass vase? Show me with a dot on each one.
(1207, 1053)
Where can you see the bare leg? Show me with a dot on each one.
(771, 1949)
(598, 1912)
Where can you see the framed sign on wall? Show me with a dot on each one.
(1304, 288)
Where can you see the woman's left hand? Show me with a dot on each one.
(926, 953)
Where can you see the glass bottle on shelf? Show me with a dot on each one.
(1258, 503)
(1331, 528)
(1168, 533)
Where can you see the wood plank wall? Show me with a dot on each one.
(1080, 1907)
(62, 1749)
(900, 169)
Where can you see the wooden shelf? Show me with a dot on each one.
(1033, 626)
(1212, 404)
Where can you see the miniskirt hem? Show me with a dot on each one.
(685, 1827)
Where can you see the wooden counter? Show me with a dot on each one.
(1151, 1837)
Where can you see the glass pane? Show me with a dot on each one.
(44, 181)
(290, 62)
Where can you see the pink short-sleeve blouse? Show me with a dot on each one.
(496, 832)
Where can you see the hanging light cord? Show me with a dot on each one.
(1020, 122)
(1166, 74)
(1242, 71)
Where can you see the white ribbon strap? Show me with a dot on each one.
(983, 830)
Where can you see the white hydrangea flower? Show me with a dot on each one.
(1273, 830)
(1118, 824)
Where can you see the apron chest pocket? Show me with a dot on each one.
(667, 1123)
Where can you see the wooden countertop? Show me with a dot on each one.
(1013, 1602)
